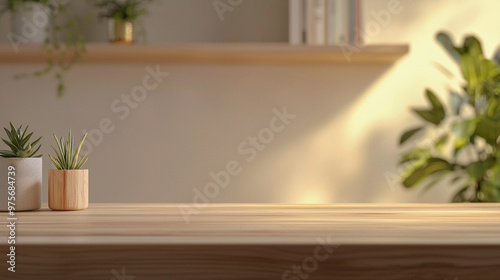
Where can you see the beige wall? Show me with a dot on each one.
(339, 147)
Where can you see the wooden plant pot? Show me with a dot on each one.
(68, 189)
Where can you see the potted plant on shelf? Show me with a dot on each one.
(21, 171)
(29, 21)
(68, 184)
(123, 19)
(462, 137)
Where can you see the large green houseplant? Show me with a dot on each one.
(460, 137)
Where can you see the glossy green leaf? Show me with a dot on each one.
(476, 170)
(425, 169)
(415, 154)
(448, 45)
(408, 134)
(435, 102)
(473, 47)
(488, 130)
(465, 128)
(430, 116)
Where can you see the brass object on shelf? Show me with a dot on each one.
(121, 31)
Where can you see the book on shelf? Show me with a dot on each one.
(296, 22)
(325, 22)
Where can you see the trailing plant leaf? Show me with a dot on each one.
(66, 158)
(65, 45)
(19, 143)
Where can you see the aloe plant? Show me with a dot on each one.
(465, 147)
(66, 156)
(19, 143)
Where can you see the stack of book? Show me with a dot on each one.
(325, 22)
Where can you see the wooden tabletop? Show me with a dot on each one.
(248, 224)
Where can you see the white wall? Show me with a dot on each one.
(338, 149)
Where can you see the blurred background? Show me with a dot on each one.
(341, 147)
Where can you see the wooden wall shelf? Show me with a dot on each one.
(234, 53)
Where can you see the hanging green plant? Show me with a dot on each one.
(63, 41)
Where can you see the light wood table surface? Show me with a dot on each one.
(257, 241)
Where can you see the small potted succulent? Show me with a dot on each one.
(123, 18)
(20, 171)
(68, 184)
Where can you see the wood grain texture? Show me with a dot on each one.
(229, 262)
(68, 189)
(227, 53)
(408, 224)
(260, 241)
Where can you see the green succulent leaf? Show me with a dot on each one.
(19, 143)
(66, 157)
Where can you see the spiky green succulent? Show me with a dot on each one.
(66, 157)
(19, 143)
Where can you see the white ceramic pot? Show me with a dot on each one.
(30, 21)
(27, 181)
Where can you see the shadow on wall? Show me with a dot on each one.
(290, 164)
